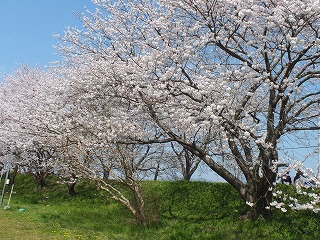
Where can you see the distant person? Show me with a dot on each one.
(300, 182)
(300, 179)
(285, 178)
(297, 176)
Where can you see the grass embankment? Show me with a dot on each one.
(176, 210)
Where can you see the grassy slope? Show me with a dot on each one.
(176, 210)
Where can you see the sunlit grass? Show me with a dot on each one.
(175, 210)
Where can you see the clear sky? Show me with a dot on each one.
(27, 26)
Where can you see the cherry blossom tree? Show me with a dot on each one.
(57, 128)
(235, 76)
(124, 182)
(38, 161)
(30, 120)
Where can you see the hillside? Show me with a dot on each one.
(176, 210)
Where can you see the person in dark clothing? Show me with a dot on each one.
(286, 178)
(297, 176)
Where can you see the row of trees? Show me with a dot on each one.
(42, 134)
(155, 83)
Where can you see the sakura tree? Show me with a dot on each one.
(227, 80)
(124, 173)
(30, 120)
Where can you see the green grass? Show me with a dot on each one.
(175, 210)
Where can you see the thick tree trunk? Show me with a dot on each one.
(71, 191)
(40, 183)
(259, 195)
(255, 191)
(187, 177)
(260, 207)
(139, 205)
(40, 179)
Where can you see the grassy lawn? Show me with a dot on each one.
(14, 227)
(175, 210)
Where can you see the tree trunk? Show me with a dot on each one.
(156, 174)
(40, 181)
(260, 197)
(136, 206)
(106, 174)
(139, 205)
(140, 217)
(186, 173)
(71, 191)
(40, 184)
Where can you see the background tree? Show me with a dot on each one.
(124, 183)
(30, 120)
(188, 162)
(38, 161)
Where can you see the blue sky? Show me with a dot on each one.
(27, 27)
